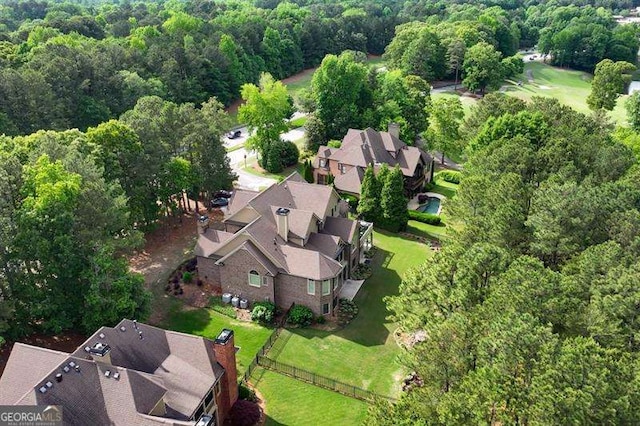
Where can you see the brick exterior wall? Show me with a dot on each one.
(208, 271)
(234, 277)
(226, 356)
(291, 289)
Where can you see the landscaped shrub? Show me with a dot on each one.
(361, 272)
(187, 277)
(300, 315)
(450, 176)
(347, 311)
(263, 312)
(321, 319)
(244, 413)
(431, 219)
(216, 304)
(352, 200)
(290, 154)
(246, 393)
(370, 253)
(429, 186)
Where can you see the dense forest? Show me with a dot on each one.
(74, 65)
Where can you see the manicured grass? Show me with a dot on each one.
(568, 86)
(365, 352)
(254, 169)
(208, 323)
(235, 148)
(467, 101)
(437, 232)
(298, 122)
(291, 402)
(445, 188)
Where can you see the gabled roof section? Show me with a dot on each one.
(210, 241)
(300, 221)
(350, 181)
(324, 243)
(341, 227)
(26, 365)
(240, 199)
(310, 263)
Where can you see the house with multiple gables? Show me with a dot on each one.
(361, 148)
(131, 374)
(289, 244)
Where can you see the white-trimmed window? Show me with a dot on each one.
(326, 287)
(254, 279)
(335, 281)
(311, 287)
(323, 162)
(325, 308)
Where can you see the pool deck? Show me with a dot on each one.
(414, 204)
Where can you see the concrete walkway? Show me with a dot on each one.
(350, 288)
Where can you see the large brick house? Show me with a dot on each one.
(361, 148)
(290, 243)
(131, 374)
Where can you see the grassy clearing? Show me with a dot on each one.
(298, 122)
(368, 341)
(235, 148)
(425, 230)
(291, 402)
(568, 86)
(208, 323)
(467, 101)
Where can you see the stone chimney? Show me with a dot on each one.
(282, 216)
(203, 224)
(225, 352)
(394, 130)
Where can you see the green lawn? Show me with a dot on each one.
(363, 353)
(568, 86)
(208, 323)
(291, 402)
(425, 230)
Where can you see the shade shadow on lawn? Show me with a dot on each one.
(368, 328)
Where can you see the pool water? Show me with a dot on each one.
(431, 206)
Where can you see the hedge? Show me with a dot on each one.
(431, 219)
(450, 176)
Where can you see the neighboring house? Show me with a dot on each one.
(634, 86)
(361, 148)
(287, 244)
(131, 374)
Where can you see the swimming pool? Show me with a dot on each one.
(431, 206)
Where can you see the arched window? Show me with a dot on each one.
(254, 279)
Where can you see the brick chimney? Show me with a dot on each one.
(282, 216)
(203, 224)
(225, 352)
(100, 352)
(394, 130)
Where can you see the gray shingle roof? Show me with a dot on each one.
(175, 367)
(210, 241)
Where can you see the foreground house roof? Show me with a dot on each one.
(137, 374)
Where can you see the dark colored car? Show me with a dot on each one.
(234, 134)
(223, 194)
(219, 202)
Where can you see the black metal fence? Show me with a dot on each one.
(261, 352)
(318, 380)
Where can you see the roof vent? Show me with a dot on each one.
(123, 329)
(87, 349)
(140, 334)
(281, 211)
(66, 369)
(116, 375)
(101, 335)
(43, 389)
(77, 368)
(59, 377)
(224, 336)
(49, 385)
(107, 374)
(100, 349)
(135, 324)
(72, 364)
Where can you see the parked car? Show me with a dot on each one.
(219, 202)
(234, 134)
(223, 194)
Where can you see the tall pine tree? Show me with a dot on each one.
(369, 205)
(393, 201)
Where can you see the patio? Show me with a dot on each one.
(350, 288)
